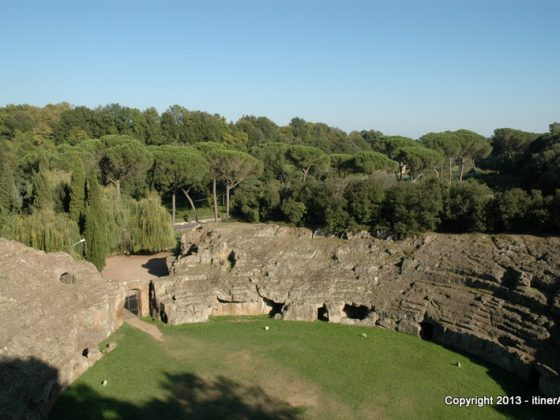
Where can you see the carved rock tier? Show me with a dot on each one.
(494, 296)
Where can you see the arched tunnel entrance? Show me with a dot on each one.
(132, 301)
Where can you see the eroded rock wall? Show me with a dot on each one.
(54, 312)
(497, 297)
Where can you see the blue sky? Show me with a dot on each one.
(402, 67)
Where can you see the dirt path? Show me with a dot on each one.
(144, 326)
(130, 267)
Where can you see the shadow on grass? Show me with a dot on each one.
(188, 397)
(513, 386)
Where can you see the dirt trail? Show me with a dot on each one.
(150, 329)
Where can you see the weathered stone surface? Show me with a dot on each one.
(54, 312)
(494, 296)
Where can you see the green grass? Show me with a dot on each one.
(233, 368)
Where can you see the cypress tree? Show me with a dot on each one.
(6, 186)
(95, 232)
(77, 192)
(43, 197)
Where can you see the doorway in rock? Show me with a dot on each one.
(356, 311)
(275, 307)
(323, 313)
(131, 302)
(426, 330)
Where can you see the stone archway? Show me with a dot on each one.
(133, 302)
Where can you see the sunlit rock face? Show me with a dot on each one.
(494, 296)
(54, 312)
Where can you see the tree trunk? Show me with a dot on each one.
(450, 170)
(173, 201)
(228, 189)
(215, 199)
(462, 169)
(305, 172)
(118, 184)
(186, 192)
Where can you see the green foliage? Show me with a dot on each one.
(509, 209)
(77, 192)
(45, 152)
(151, 227)
(364, 200)
(467, 207)
(371, 162)
(342, 163)
(307, 158)
(410, 209)
(124, 162)
(118, 209)
(418, 160)
(43, 229)
(8, 190)
(95, 224)
(540, 166)
(293, 210)
(275, 161)
(178, 166)
(247, 201)
(43, 197)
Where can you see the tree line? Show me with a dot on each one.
(102, 174)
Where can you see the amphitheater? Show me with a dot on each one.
(493, 296)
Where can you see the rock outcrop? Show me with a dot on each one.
(54, 312)
(494, 296)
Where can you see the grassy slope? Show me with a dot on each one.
(232, 368)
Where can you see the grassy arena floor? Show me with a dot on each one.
(233, 368)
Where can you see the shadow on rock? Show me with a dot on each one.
(28, 388)
(188, 397)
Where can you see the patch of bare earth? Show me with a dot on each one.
(284, 384)
(131, 267)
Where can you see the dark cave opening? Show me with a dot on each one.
(275, 307)
(323, 313)
(356, 311)
(426, 330)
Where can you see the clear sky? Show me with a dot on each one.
(402, 67)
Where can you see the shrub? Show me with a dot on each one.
(412, 208)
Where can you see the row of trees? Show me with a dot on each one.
(101, 174)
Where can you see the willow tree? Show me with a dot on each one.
(235, 168)
(151, 228)
(43, 229)
(178, 167)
